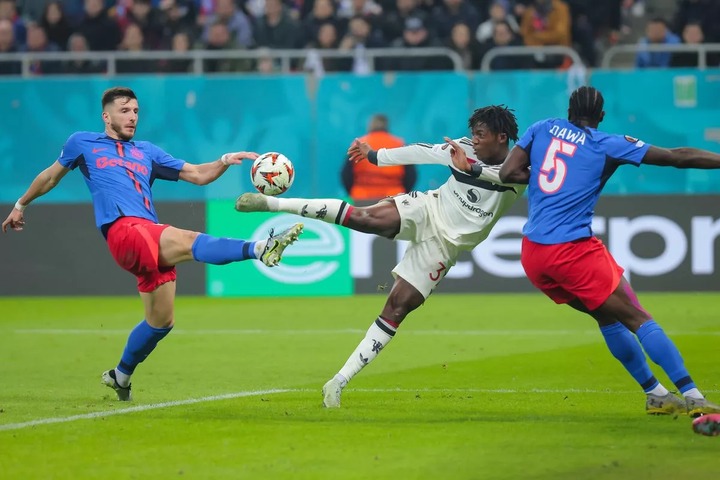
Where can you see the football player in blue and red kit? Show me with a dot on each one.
(119, 173)
(566, 164)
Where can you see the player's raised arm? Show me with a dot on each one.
(204, 173)
(516, 168)
(43, 183)
(683, 157)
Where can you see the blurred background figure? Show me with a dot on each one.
(656, 33)
(367, 182)
(78, 43)
(546, 23)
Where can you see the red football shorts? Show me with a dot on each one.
(582, 269)
(135, 245)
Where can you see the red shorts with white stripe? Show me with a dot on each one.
(582, 269)
(135, 245)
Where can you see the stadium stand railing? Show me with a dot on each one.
(198, 57)
(612, 54)
(523, 51)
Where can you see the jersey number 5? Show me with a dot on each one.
(554, 170)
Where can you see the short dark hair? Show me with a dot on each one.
(498, 119)
(113, 93)
(586, 103)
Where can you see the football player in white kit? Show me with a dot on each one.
(439, 224)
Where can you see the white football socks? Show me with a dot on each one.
(121, 378)
(330, 210)
(659, 390)
(377, 337)
(693, 393)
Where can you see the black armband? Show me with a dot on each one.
(475, 169)
(372, 157)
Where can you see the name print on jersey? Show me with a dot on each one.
(569, 134)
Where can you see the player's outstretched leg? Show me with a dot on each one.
(330, 210)
(376, 338)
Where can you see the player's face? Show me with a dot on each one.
(121, 118)
(488, 146)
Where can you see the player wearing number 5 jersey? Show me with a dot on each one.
(566, 164)
(119, 173)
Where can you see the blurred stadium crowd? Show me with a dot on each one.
(469, 27)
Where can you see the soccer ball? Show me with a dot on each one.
(272, 173)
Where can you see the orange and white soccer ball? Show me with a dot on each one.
(272, 173)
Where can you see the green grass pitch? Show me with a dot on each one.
(472, 387)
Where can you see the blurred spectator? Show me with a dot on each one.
(365, 8)
(323, 11)
(545, 23)
(101, 32)
(8, 11)
(367, 182)
(327, 39)
(134, 41)
(361, 35)
(181, 43)
(8, 45)
(463, 42)
(37, 42)
(704, 12)
(276, 28)
(56, 26)
(450, 12)
(693, 34)
(220, 37)
(78, 44)
(394, 21)
(416, 34)
(176, 16)
(503, 36)
(582, 31)
(656, 33)
(237, 23)
(143, 14)
(497, 13)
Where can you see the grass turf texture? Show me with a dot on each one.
(472, 387)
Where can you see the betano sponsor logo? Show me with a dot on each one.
(105, 162)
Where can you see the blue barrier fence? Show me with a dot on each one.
(313, 121)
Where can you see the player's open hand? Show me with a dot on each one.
(15, 221)
(358, 151)
(458, 156)
(236, 158)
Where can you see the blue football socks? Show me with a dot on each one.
(142, 340)
(220, 251)
(663, 351)
(625, 347)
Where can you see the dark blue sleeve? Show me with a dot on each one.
(71, 152)
(625, 149)
(165, 166)
(526, 140)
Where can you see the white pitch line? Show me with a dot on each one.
(139, 408)
(227, 396)
(100, 331)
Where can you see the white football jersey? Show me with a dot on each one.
(468, 206)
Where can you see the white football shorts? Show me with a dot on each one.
(428, 256)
